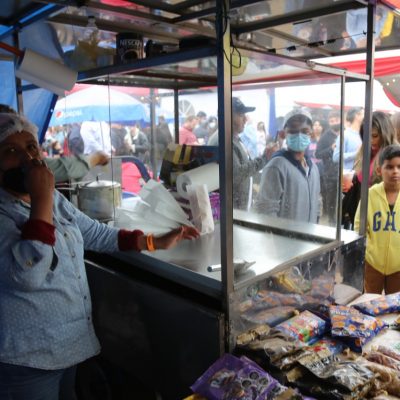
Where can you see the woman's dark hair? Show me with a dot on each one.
(383, 124)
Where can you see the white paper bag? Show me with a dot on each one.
(201, 208)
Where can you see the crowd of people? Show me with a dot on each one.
(114, 139)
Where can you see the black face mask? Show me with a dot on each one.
(335, 127)
(14, 179)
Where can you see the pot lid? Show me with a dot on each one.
(101, 183)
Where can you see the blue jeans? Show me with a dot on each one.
(24, 383)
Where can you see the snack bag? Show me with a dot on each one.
(382, 305)
(353, 327)
(322, 287)
(306, 327)
(269, 316)
(231, 378)
(332, 345)
(292, 281)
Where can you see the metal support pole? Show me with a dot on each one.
(176, 115)
(370, 65)
(225, 159)
(340, 170)
(153, 159)
(18, 82)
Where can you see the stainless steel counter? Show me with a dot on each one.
(269, 242)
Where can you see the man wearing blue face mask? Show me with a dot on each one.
(290, 184)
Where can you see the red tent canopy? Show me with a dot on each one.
(387, 72)
(383, 66)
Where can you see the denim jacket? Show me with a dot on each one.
(45, 306)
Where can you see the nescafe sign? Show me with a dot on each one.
(129, 47)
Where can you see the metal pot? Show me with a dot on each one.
(98, 199)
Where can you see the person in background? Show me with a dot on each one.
(45, 306)
(71, 167)
(290, 184)
(201, 130)
(186, 135)
(352, 140)
(163, 136)
(96, 136)
(212, 126)
(318, 128)
(244, 167)
(138, 143)
(356, 25)
(262, 137)
(118, 133)
(382, 262)
(249, 138)
(396, 123)
(329, 169)
(213, 133)
(382, 135)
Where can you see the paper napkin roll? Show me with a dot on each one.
(207, 174)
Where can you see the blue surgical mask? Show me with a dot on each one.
(297, 141)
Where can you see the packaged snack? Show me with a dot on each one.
(382, 305)
(334, 346)
(292, 281)
(383, 359)
(390, 351)
(259, 332)
(386, 379)
(353, 327)
(271, 349)
(306, 327)
(270, 299)
(269, 316)
(322, 287)
(346, 375)
(231, 378)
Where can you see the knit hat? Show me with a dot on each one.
(294, 113)
(15, 123)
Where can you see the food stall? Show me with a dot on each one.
(164, 317)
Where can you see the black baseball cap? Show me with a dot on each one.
(239, 108)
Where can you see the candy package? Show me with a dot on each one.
(382, 305)
(392, 351)
(306, 327)
(269, 316)
(334, 346)
(353, 327)
(231, 378)
(270, 299)
(272, 348)
(347, 376)
(383, 359)
(258, 333)
(292, 281)
(322, 287)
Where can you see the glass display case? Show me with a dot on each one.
(280, 245)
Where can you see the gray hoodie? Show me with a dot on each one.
(286, 190)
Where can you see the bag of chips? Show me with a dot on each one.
(306, 327)
(382, 305)
(269, 316)
(353, 327)
(322, 287)
(292, 281)
(231, 378)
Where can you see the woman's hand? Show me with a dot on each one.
(171, 238)
(39, 182)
